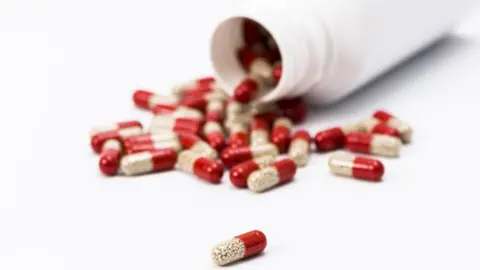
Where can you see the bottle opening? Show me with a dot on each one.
(242, 47)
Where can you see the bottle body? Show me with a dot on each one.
(330, 48)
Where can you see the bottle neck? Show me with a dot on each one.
(302, 42)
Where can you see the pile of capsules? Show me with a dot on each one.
(199, 124)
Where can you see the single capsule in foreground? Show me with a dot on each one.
(278, 173)
(240, 173)
(115, 126)
(375, 126)
(146, 162)
(404, 128)
(366, 143)
(280, 135)
(110, 157)
(356, 167)
(233, 156)
(239, 247)
(299, 149)
(203, 167)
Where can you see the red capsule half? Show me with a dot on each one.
(280, 135)
(246, 90)
(208, 169)
(254, 241)
(110, 157)
(277, 73)
(330, 139)
(368, 169)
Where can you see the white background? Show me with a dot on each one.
(68, 65)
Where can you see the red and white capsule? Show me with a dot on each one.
(278, 173)
(259, 133)
(280, 135)
(110, 157)
(99, 139)
(201, 83)
(375, 126)
(115, 126)
(173, 144)
(147, 162)
(375, 144)
(238, 135)
(248, 89)
(356, 167)
(214, 135)
(177, 111)
(215, 111)
(239, 174)
(255, 64)
(195, 144)
(234, 156)
(201, 166)
(239, 247)
(161, 123)
(150, 138)
(334, 138)
(404, 128)
(148, 100)
(201, 101)
(299, 149)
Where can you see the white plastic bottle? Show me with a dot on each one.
(330, 48)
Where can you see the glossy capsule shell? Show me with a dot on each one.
(403, 128)
(278, 173)
(177, 111)
(173, 144)
(201, 101)
(148, 100)
(200, 83)
(149, 138)
(99, 139)
(160, 123)
(109, 161)
(215, 111)
(299, 149)
(280, 135)
(357, 167)
(239, 247)
(259, 133)
(376, 126)
(246, 90)
(147, 162)
(333, 138)
(240, 173)
(115, 126)
(233, 156)
(203, 167)
(195, 144)
(238, 136)
(213, 133)
(375, 144)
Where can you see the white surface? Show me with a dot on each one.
(69, 65)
